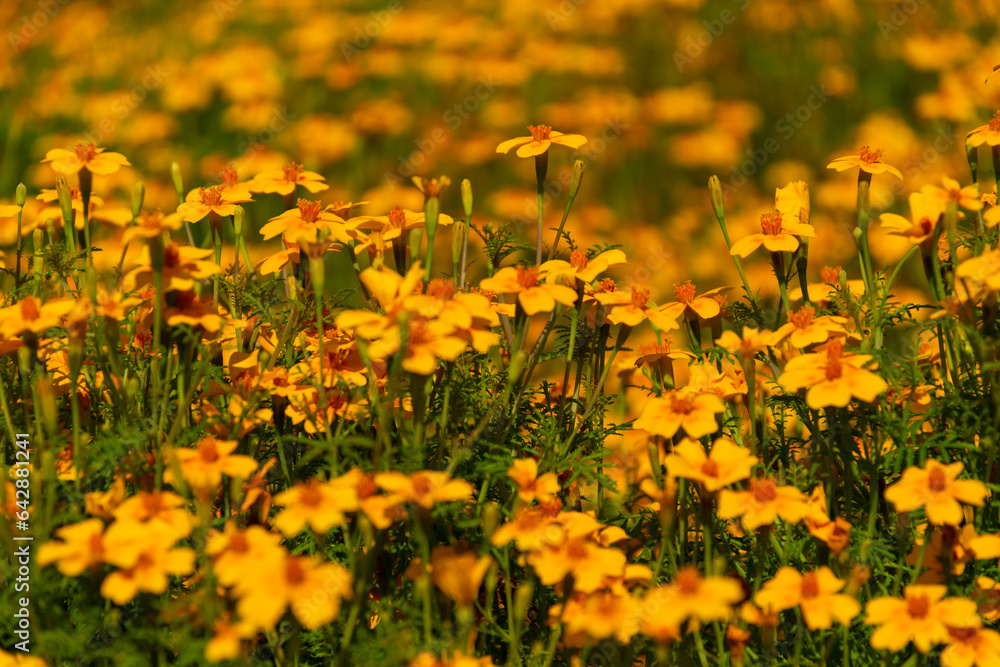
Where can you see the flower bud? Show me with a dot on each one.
(467, 199)
(175, 176)
(576, 178)
(457, 241)
(239, 215)
(516, 365)
(491, 519)
(432, 208)
(715, 194)
(65, 203)
(138, 195)
(20, 194)
(47, 401)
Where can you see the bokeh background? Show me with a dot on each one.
(760, 92)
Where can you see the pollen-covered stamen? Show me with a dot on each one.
(640, 297)
(29, 308)
(527, 277)
(171, 256)
(578, 260)
(926, 225)
(869, 156)
(918, 606)
(937, 480)
(995, 122)
(684, 291)
(830, 274)
(309, 210)
(834, 367)
(440, 288)
(606, 285)
(291, 172)
(229, 176)
(803, 317)
(540, 132)
(294, 574)
(763, 490)
(207, 450)
(770, 223)
(85, 151)
(211, 196)
(688, 579)
(397, 217)
(682, 404)
(810, 585)
(710, 468)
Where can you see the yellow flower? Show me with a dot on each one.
(151, 225)
(763, 503)
(81, 548)
(971, 647)
(746, 345)
(726, 464)
(690, 597)
(923, 616)
(211, 201)
(424, 487)
(633, 308)
(804, 329)
(833, 378)
(817, 593)
(935, 488)
(85, 156)
(681, 409)
(533, 296)
(579, 268)
(34, 316)
(145, 555)
(241, 554)
(988, 134)
(542, 136)
(204, 466)
(705, 306)
(530, 486)
(778, 235)
(432, 187)
(866, 160)
(967, 197)
(284, 181)
(316, 503)
(458, 574)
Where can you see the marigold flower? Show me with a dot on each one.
(763, 503)
(145, 556)
(79, 548)
(579, 268)
(866, 160)
(284, 181)
(817, 593)
(923, 617)
(33, 315)
(968, 647)
(792, 202)
(935, 488)
(704, 306)
(85, 155)
(204, 466)
(458, 573)
(241, 554)
(982, 272)
(589, 562)
(726, 463)
(156, 507)
(530, 528)
(746, 345)
(542, 136)
(681, 409)
(833, 378)
(213, 200)
(315, 503)
(634, 308)
(306, 216)
(597, 616)
(424, 487)
(691, 596)
(804, 329)
(967, 197)
(778, 235)
(183, 265)
(988, 134)
(533, 296)
(530, 486)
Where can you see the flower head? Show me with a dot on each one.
(867, 160)
(542, 136)
(936, 488)
(85, 155)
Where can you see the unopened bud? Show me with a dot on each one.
(432, 208)
(138, 195)
(457, 241)
(715, 194)
(175, 176)
(522, 599)
(491, 519)
(20, 194)
(238, 217)
(576, 178)
(65, 202)
(467, 199)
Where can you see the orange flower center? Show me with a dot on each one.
(764, 490)
(688, 580)
(207, 451)
(540, 132)
(96, 544)
(770, 223)
(918, 606)
(578, 259)
(995, 122)
(937, 480)
(640, 297)
(527, 276)
(152, 503)
(606, 285)
(229, 176)
(238, 543)
(684, 291)
(710, 468)
(440, 288)
(963, 635)
(211, 196)
(830, 274)
(869, 156)
(171, 255)
(294, 573)
(810, 585)
(422, 486)
(85, 152)
(29, 308)
(576, 551)
(291, 172)
(309, 210)
(397, 217)
(185, 300)
(834, 369)
(311, 496)
(803, 317)
(366, 487)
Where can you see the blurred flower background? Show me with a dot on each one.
(668, 92)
